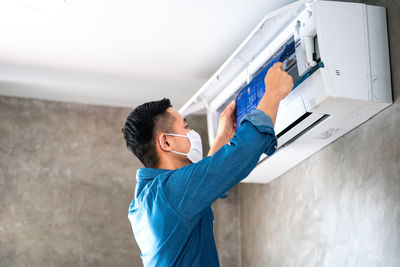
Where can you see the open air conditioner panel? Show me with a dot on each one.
(249, 94)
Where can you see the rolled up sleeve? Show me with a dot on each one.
(263, 123)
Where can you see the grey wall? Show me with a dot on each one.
(340, 207)
(227, 229)
(66, 181)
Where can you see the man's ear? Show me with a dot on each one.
(164, 144)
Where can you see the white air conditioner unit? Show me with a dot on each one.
(338, 55)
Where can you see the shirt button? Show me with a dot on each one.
(275, 146)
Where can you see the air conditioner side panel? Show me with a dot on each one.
(343, 43)
(379, 54)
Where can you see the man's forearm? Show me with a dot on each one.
(217, 144)
(269, 104)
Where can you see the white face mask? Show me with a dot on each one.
(196, 150)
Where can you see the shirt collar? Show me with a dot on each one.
(149, 173)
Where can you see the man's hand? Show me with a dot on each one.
(226, 128)
(278, 82)
(227, 122)
(278, 85)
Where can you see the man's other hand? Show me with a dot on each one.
(226, 128)
(227, 123)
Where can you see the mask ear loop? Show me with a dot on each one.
(179, 135)
(176, 152)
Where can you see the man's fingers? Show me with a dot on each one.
(232, 105)
(278, 65)
(229, 110)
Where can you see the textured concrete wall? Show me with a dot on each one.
(227, 229)
(340, 207)
(66, 181)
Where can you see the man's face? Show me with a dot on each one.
(176, 143)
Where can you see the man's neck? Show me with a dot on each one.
(172, 164)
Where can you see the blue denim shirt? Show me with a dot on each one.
(171, 214)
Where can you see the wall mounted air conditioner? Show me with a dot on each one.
(338, 55)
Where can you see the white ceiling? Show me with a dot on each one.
(120, 52)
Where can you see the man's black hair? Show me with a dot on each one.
(142, 125)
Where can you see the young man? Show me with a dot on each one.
(171, 213)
